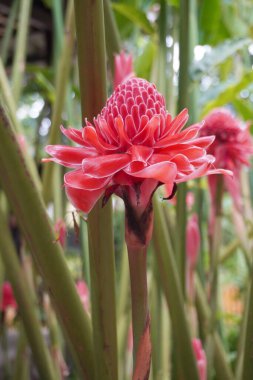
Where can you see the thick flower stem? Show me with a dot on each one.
(62, 78)
(92, 77)
(138, 276)
(20, 48)
(35, 225)
(25, 301)
(171, 286)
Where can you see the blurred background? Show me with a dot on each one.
(210, 41)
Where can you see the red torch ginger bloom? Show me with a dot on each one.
(133, 147)
(201, 358)
(123, 66)
(232, 149)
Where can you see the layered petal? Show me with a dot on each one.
(104, 166)
(69, 156)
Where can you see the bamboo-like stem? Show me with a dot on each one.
(26, 307)
(247, 328)
(62, 77)
(183, 99)
(139, 294)
(112, 37)
(215, 243)
(34, 223)
(222, 368)
(58, 28)
(7, 99)
(21, 371)
(92, 77)
(20, 48)
(9, 30)
(174, 297)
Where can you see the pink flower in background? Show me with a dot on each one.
(201, 358)
(84, 294)
(192, 252)
(133, 147)
(61, 231)
(192, 240)
(7, 297)
(123, 67)
(232, 149)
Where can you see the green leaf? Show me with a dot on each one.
(144, 63)
(135, 15)
(229, 94)
(210, 15)
(217, 56)
(244, 108)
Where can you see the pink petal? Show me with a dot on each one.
(188, 134)
(163, 172)
(83, 200)
(69, 156)
(75, 135)
(104, 166)
(90, 135)
(140, 153)
(79, 180)
(177, 124)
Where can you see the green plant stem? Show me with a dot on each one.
(20, 48)
(35, 225)
(7, 100)
(62, 78)
(247, 366)
(173, 293)
(58, 28)
(92, 77)
(21, 371)
(9, 30)
(139, 293)
(112, 37)
(26, 306)
(183, 101)
(222, 368)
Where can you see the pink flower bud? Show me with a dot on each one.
(123, 67)
(84, 294)
(7, 297)
(61, 231)
(200, 358)
(192, 240)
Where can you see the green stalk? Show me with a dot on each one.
(215, 244)
(58, 28)
(62, 78)
(92, 77)
(247, 366)
(221, 366)
(183, 101)
(174, 297)
(21, 371)
(112, 37)
(35, 225)
(139, 294)
(7, 99)
(26, 306)
(9, 30)
(20, 48)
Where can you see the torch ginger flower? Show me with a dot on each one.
(232, 149)
(133, 147)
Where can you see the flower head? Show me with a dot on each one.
(232, 148)
(133, 147)
(123, 66)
